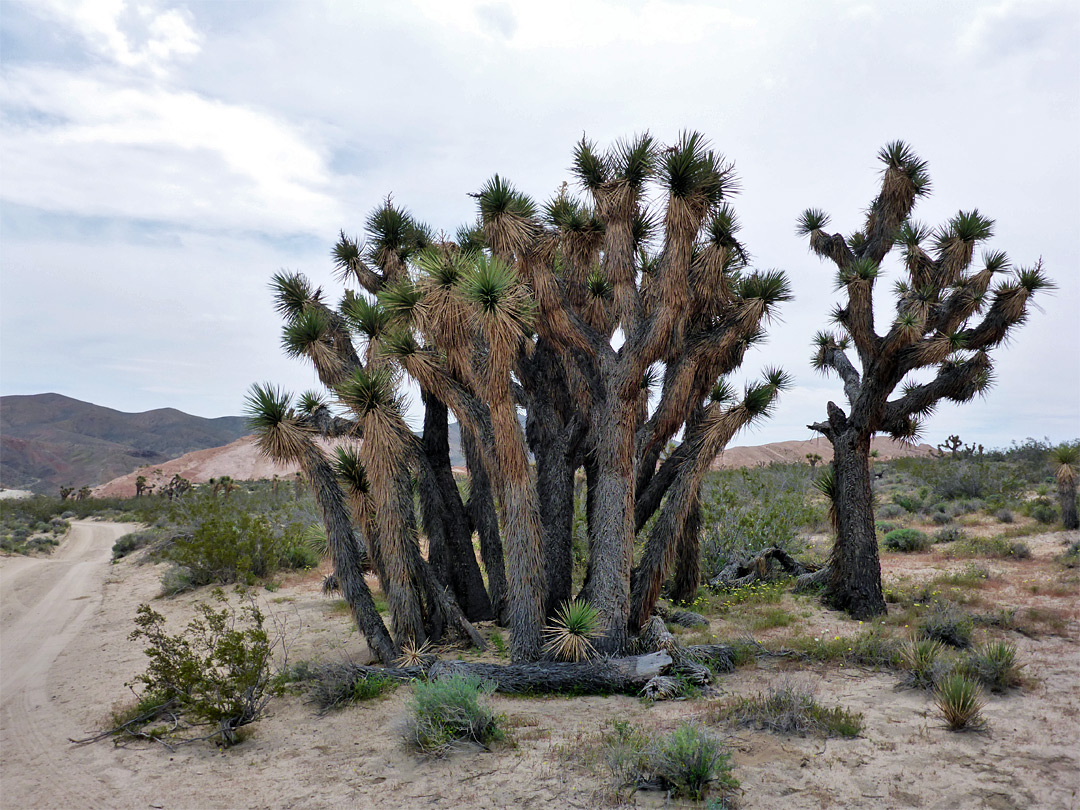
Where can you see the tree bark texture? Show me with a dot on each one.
(855, 572)
(462, 572)
(1067, 496)
(485, 522)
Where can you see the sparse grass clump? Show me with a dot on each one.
(960, 701)
(448, 713)
(950, 534)
(949, 626)
(870, 648)
(993, 665)
(906, 540)
(792, 709)
(688, 762)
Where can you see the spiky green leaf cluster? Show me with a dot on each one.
(292, 293)
(690, 168)
(307, 328)
(810, 220)
(369, 389)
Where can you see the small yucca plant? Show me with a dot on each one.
(918, 657)
(960, 700)
(569, 637)
(993, 665)
(413, 656)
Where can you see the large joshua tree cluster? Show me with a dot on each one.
(610, 320)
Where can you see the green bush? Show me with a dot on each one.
(910, 503)
(690, 760)
(1044, 514)
(746, 510)
(218, 672)
(892, 510)
(448, 712)
(906, 540)
(920, 658)
(998, 547)
(132, 542)
(1004, 515)
(225, 542)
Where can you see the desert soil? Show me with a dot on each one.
(65, 657)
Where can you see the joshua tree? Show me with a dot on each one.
(813, 459)
(1064, 457)
(950, 316)
(521, 310)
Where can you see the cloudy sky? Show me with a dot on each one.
(159, 160)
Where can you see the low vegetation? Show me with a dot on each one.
(689, 761)
(960, 701)
(790, 708)
(450, 713)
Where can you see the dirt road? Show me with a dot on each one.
(46, 607)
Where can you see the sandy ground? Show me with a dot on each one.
(65, 656)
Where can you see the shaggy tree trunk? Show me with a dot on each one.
(345, 554)
(555, 489)
(1067, 496)
(855, 573)
(687, 577)
(612, 531)
(485, 522)
(462, 572)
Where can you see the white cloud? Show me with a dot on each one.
(132, 35)
(97, 147)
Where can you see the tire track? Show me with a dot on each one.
(45, 604)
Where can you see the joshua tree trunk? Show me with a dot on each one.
(485, 521)
(611, 525)
(462, 573)
(687, 578)
(854, 582)
(345, 554)
(1067, 496)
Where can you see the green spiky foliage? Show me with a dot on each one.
(570, 636)
(949, 319)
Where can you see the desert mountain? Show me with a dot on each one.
(242, 461)
(49, 440)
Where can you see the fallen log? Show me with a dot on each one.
(759, 569)
(602, 676)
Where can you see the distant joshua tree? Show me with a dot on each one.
(1064, 458)
(950, 315)
(813, 459)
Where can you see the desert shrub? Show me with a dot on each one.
(132, 542)
(906, 540)
(949, 626)
(920, 660)
(993, 665)
(226, 543)
(689, 761)
(941, 518)
(960, 701)
(177, 579)
(1004, 515)
(950, 535)
(449, 712)
(885, 526)
(997, 547)
(910, 503)
(218, 672)
(891, 510)
(625, 751)
(747, 510)
(1044, 513)
(789, 708)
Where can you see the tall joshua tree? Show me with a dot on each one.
(575, 311)
(1064, 458)
(949, 316)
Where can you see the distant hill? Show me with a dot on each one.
(795, 452)
(49, 440)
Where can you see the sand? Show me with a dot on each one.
(65, 657)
